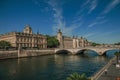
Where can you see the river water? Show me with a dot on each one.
(51, 67)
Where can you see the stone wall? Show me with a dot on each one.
(24, 53)
(8, 54)
(28, 53)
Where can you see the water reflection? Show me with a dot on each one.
(80, 64)
(52, 67)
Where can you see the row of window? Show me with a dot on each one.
(29, 40)
(27, 45)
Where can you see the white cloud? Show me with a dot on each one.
(92, 24)
(78, 19)
(85, 3)
(100, 17)
(103, 21)
(83, 7)
(59, 22)
(112, 5)
(89, 35)
(93, 5)
(105, 34)
(97, 22)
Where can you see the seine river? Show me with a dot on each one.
(52, 67)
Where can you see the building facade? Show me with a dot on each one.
(25, 39)
(68, 42)
(60, 38)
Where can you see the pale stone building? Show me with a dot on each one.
(25, 39)
(68, 42)
(60, 38)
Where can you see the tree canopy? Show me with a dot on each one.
(52, 42)
(95, 44)
(117, 43)
(4, 44)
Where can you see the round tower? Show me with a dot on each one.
(60, 38)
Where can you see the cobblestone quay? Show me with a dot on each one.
(112, 73)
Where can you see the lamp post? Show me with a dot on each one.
(63, 42)
(119, 56)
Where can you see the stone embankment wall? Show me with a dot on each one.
(28, 53)
(8, 54)
(24, 53)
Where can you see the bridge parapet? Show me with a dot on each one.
(99, 50)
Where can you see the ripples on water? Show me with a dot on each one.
(51, 67)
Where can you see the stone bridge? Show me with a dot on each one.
(99, 50)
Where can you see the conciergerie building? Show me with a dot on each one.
(25, 39)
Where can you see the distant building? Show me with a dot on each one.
(68, 42)
(25, 38)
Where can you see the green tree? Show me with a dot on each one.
(4, 44)
(117, 54)
(95, 44)
(76, 76)
(52, 42)
(117, 43)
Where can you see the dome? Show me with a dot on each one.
(27, 29)
(27, 26)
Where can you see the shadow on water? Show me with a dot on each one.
(88, 53)
(63, 52)
(110, 53)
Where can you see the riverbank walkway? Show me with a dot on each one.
(109, 72)
(112, 73)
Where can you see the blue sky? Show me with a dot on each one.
(96, 20)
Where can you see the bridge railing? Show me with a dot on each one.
(101, 71)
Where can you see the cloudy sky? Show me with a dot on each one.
(96, 20)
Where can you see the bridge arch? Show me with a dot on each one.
(111, 50)
(82, 51)
(98, 50)
(63, 51)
